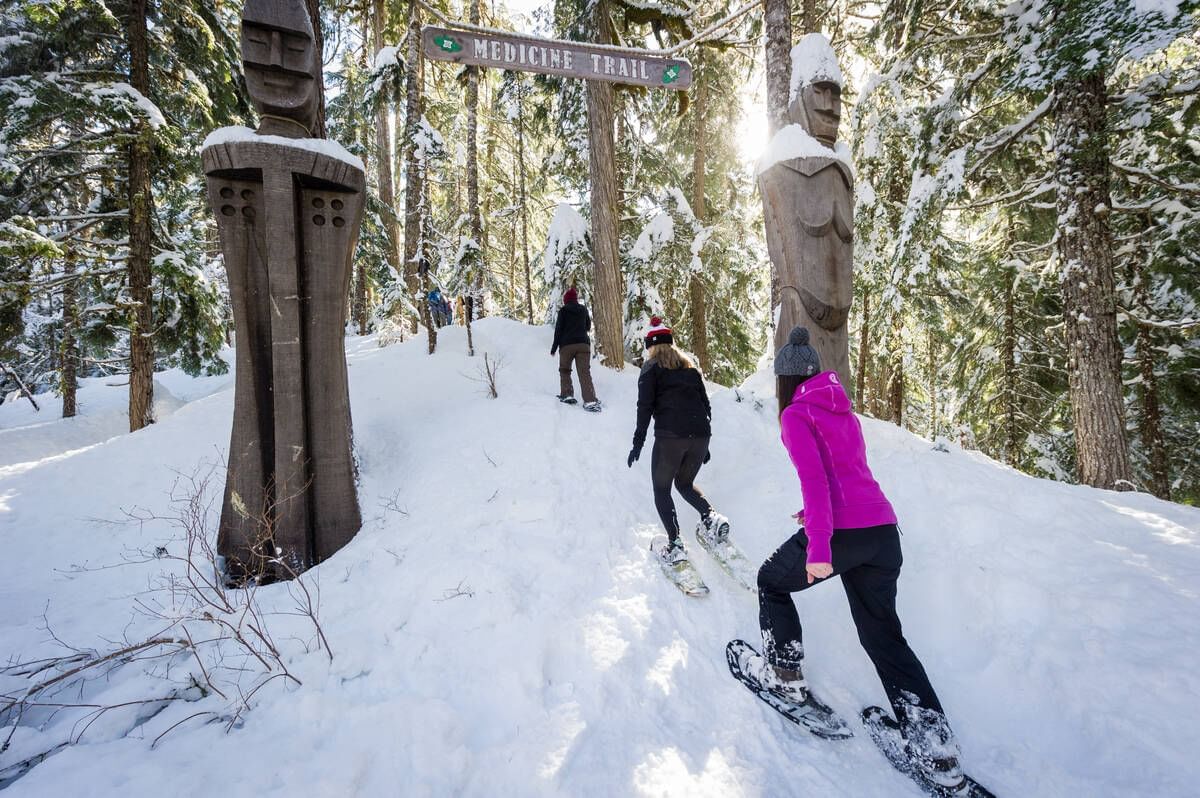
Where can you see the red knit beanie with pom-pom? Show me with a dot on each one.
(659, 333)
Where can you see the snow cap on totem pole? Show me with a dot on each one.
(282, 66)
(815, 100)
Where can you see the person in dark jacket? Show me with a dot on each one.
(574, 345)
(671, 390)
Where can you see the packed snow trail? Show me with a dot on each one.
(499, 628)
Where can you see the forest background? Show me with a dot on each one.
(1027, 188)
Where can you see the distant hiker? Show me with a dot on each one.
(671, 390)
(849, 531)
(435, 308)
(574, 345)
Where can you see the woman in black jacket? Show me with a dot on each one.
(671, 390)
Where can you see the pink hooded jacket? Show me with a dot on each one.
(825, 441)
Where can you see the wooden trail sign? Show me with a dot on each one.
(556, 57)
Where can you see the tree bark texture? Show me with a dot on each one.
(383, 146)
(602, 161)
(68, 355)
(1012, 443)
(524, 197)
(314, 14)
(864, 349)
(778, 23)
(810, 19)
(1150, 422)
(474, 275)
(895, 381)
(931, 344)
(1089, 301)
(699, 342)
(141, 329)
(360, 267)
(414, 179)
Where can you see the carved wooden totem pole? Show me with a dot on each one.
(288, 209)
(808, 207)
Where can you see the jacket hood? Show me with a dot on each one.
(825, 391)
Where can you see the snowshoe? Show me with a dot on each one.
(939, 775)
(747, 666)
(592, 407)
(567, 400)
(675, 565)
(713, 536)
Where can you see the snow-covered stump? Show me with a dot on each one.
(807, 186)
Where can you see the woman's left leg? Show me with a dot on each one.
(871, 591)
(693, 458)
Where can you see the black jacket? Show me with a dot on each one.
(571, 327)
(677, 400)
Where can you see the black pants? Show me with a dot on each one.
(868, 560)
(677, 460)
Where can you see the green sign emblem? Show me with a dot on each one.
(671, 74)
(447, 43)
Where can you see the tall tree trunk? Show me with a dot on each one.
(414, 278)
(695, 283)
(141, 204)
(1150, 423)
(895, 383)
(360, 266)
(778, 24)
(1012, 443)
(931, 348)
(68, 354)
(1089, 300)
(314, 14)
(383, 144)
(602, 164)
(810, 19)
(864, 349)
(524, 196)
(474, 220)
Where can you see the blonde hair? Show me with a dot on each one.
(667, 356)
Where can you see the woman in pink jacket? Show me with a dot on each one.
(849, 531)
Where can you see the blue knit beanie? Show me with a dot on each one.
(796, 358)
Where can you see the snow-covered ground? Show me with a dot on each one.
(499, 628)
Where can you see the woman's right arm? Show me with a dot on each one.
(647, 387)
(557, 332)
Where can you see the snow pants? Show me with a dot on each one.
(678, 461)
(579, 354)
(868, 561)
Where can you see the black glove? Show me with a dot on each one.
(634, 454)
(707, 455)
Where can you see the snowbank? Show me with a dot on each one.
(499, 628)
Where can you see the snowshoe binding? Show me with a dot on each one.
(751, 669)
(928, 755)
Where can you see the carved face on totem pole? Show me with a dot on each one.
(282, 66)
(817, 108)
